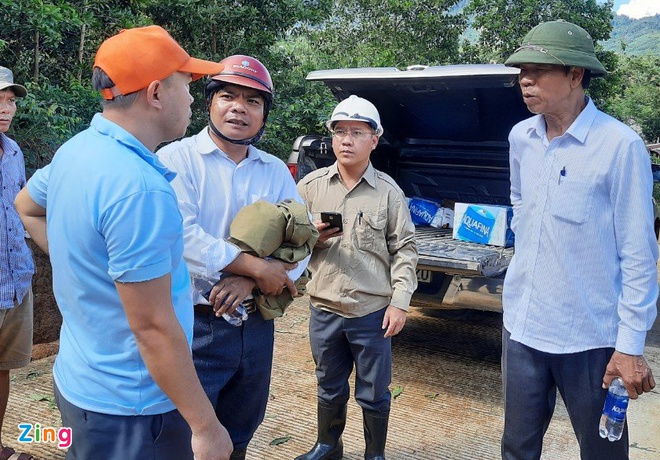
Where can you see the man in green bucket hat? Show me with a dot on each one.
(580, 292)
(558, 43)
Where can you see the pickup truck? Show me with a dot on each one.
(445, 139)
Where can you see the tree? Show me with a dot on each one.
(32, 30)
(214, 29)
(502, 24)
(637, 98)
(357, 33)
(50, 46)
(362, 33)
(221, 28)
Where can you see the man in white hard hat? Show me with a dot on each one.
(363, 278)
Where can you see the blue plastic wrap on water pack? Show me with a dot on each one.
(484, 224)
(477, 225)
(422, 211)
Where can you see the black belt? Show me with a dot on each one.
(202, 309)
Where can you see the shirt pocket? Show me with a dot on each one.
(370, 230)
(573, 201)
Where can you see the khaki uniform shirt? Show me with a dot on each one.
(372, 265)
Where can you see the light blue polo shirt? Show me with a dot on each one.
(111, 216)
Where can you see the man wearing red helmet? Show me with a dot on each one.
(219, 171)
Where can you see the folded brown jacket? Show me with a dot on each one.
(282, 231)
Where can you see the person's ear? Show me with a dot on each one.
(374, 142)
(577, 74)
(155, 93)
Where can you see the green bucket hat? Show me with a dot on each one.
(559, 43)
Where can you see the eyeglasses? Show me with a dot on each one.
(355, 134)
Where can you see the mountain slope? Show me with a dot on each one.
(635, 36)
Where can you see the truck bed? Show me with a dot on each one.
(438, 251)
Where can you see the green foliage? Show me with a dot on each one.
(280, 440)
(46, 118)
(346, 33)
(636, 37)
(33, 31)
(504, 23)
(50, 46)
(602, 90)
(220, 28)
(364, 33)
(637, 100)
(299, 107)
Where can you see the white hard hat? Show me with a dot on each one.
(356, 109)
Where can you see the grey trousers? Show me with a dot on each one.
(340, 343)
(530, 380)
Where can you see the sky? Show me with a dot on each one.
(637, 9)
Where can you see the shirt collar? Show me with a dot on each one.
(537, 127)
(579, 129)
(369, 175)
(7, 145)
(116, 132)
(205, 146)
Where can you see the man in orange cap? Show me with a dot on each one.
(124, 377)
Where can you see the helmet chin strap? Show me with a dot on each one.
(247, 141)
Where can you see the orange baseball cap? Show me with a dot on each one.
(136, 57)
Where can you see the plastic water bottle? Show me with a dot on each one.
(614, 411)
(204, 287)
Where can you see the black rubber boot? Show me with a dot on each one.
(331, 423)
(375, 434)
(238, 454)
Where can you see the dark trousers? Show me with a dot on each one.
(337, 344)
(99, 436)
(234, 364)
(530, 381)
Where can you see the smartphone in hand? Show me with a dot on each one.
(334, 218)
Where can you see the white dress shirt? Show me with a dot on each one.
(212, 188)
(584, 272)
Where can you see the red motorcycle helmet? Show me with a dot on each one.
(245, 71)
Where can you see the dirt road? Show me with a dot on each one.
(449, 407)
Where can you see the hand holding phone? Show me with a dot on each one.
(334, 218)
